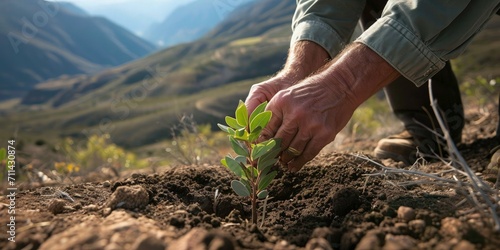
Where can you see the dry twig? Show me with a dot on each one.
(485, 199)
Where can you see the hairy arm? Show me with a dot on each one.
(304, 58)
(308, 115)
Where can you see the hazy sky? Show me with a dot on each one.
(136, 15)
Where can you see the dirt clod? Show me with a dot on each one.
(129, 197)
(56, 206)
(345, 200)
(406, 213)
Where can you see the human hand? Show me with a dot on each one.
(308, 116)
(265, 90)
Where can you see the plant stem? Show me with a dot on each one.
(254, 206)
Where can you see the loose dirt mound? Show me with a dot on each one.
(329, 204)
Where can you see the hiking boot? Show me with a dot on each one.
(406, 146)
(492, 172)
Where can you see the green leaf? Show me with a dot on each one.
(241, 159)
(246, 173)
(234, 166)
(247, 184)
(240, 188)
(259, 109)
(266, 180)
(254, 171)
(223, 127)
(252, 137)
(260, 121)
(262, 194)
(238, 148)
(232, 122)
(262, 148)
(270, 158)
(242, 114)
(263, 164)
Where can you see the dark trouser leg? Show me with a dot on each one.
(409, 103)
(498, 108)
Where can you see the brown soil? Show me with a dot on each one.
(329, 204)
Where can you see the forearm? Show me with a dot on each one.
(357, 74)
(304, 59)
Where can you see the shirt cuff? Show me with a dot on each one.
(320, 33)
(402, 49)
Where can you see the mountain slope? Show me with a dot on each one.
(43, 40)
(138, 102)
(141, 100)
(189, 22)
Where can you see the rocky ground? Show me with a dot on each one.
(329, 204)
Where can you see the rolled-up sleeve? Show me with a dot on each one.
(329, 23)
(417, 37)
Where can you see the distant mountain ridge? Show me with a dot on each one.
(142, 99)
(42, 40)
(191, 21)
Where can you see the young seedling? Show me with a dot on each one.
(254, 160)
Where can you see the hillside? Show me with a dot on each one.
(43, 40)
(141, 100)
(137, 103)
(190, 22)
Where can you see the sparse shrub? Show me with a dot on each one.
(254, 160)
(192, 144)
(97, 153)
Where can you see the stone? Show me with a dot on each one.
(199, 238)
(56, 206)
(128, 197)
(148, 243)
(406, 214)
(318, 244)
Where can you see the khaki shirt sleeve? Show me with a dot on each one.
(329, 23)
(417, 37)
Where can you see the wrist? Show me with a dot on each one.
(304, 59)
(359, 73)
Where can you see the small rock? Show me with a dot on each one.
(401, 228)
(148, 243)
(417, 226)
(282, 245)
(329, 234)
(194, 209)
(106, 211)
(91, 207)
(106, 184)
(56, 206)
(374, 217)
(464, 245)
(388, 211)
(177, 221)
(371, 240)
(452, 228)
(318, 244)
(406, 213)
(215, 222)
(199, 238)
(399, 242)
(128, 197)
